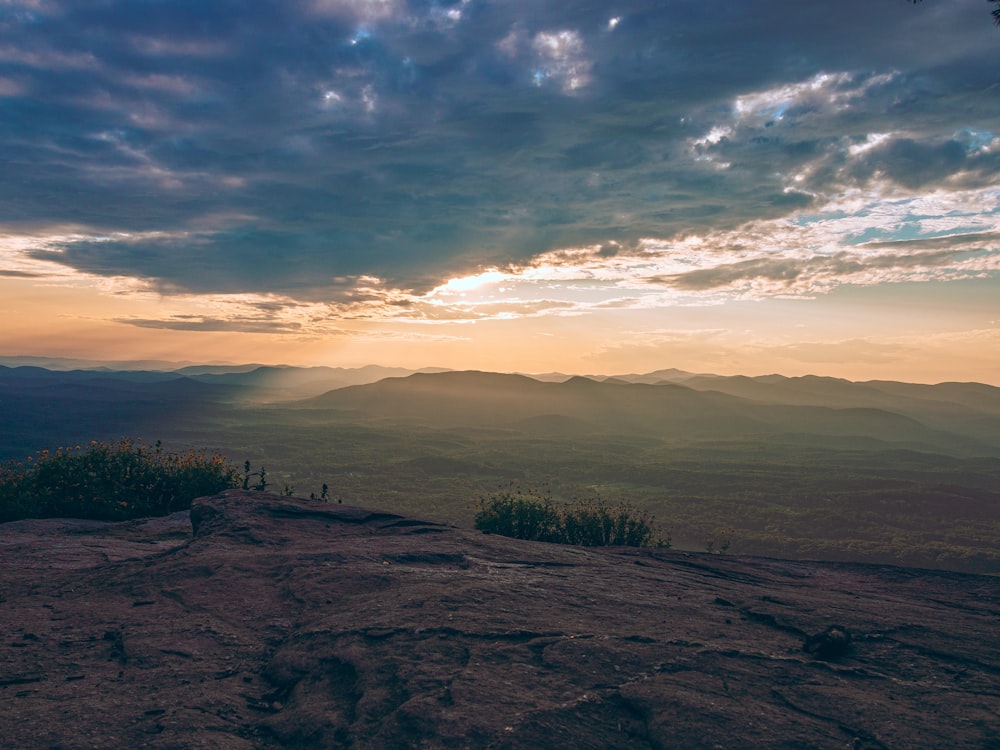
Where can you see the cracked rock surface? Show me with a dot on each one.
(259, 621)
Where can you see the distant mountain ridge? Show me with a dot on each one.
(959, 418)
(700, 407)
(267, 381)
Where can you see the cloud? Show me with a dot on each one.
(303, 148)
(192, 323)
(810, 273)
(914, 164)
(964, 239)
(358, 10)
(561, 57)
(239, 313)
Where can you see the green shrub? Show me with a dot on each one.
(110, 481)
(594, 523)
(522, 516)
(591, 522)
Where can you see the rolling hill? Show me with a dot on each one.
(821, 407)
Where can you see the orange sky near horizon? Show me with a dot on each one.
(862, 339)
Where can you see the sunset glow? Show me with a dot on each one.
(600, 189)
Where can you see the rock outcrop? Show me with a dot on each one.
(259, 621)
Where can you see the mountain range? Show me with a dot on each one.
(953, 418)
(800, 467)
(963, 418)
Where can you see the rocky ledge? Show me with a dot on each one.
(259, 621)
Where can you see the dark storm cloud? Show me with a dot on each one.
(230, 261)
(914, 164)
(295, 146)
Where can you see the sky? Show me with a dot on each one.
(526, 185)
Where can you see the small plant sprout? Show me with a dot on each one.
(324, 494)
(261, 483)
(721, 539)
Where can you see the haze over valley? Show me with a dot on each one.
(804, 467)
